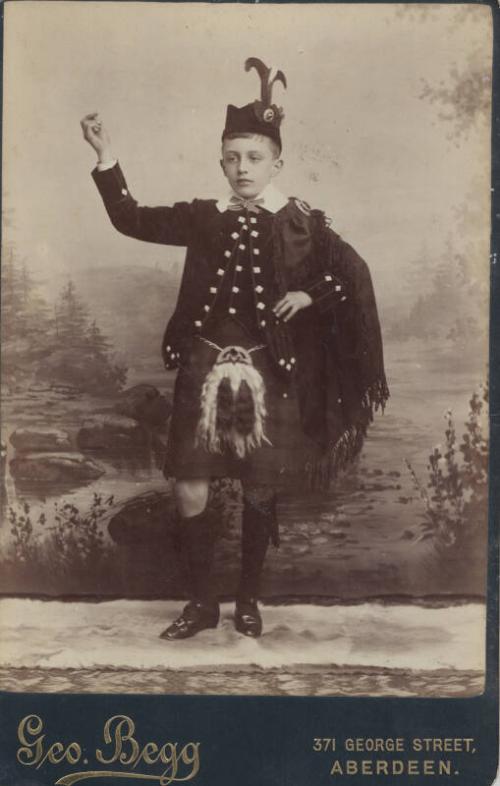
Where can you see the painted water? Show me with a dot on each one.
(363, 539)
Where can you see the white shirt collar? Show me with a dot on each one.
(274, 200)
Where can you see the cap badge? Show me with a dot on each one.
(265, 109)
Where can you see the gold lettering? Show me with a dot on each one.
(33, 753)
(168, 752)
(190, 754)
(444, 745)
(73, 753)
(336, 768)
(374, 744)
(444, 767)
(123, 722)
(55, 749)
(429, 767)
(146, 754)
(171, 759)
(26, 755)
(119, 732)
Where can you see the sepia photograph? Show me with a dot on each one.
(244, 360)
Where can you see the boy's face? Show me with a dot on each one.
(249, 164)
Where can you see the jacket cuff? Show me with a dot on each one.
(326, 292)
(111, 184)
(102, 166)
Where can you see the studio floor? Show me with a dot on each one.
(370, 649)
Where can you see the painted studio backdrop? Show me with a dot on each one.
(387, 130)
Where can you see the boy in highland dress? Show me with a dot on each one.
(276, 339)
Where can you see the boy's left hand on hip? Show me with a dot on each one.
(288, 306)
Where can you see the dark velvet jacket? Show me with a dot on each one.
(333, 349)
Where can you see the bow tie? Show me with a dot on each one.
(239, 203)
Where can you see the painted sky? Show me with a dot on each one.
(358, 141)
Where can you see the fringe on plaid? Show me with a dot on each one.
(322, 470)
(376, 396)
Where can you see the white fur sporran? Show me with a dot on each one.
(233, 408)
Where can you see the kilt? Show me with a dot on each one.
(277, 464)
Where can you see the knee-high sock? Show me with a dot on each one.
(196, 538)
(259, 526)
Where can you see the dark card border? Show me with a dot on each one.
(267, 741)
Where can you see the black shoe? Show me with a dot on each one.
(247, 619)
(195, 617)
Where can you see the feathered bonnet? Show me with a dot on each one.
(261, 116)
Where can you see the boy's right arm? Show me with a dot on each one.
(168, 225)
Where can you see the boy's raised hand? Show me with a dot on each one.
(97, 136)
